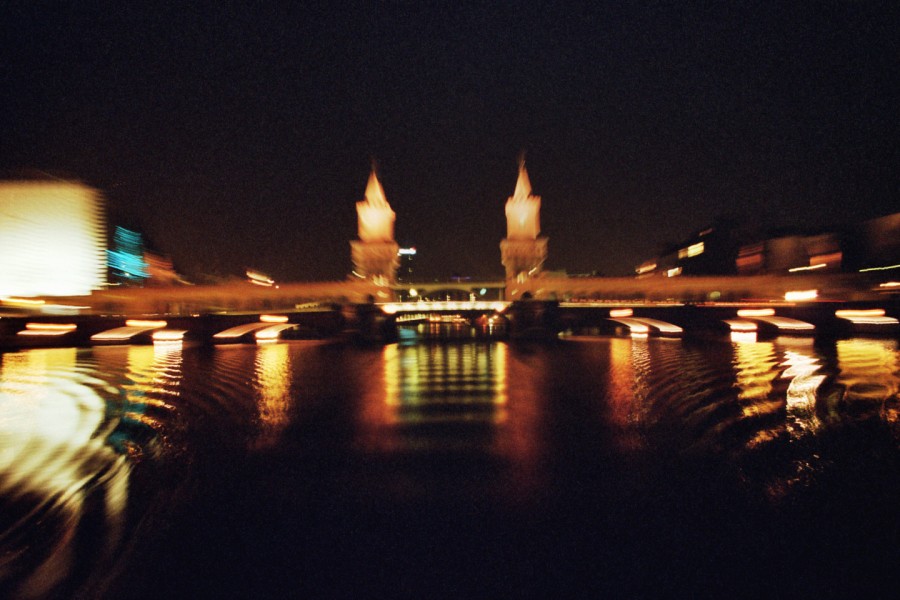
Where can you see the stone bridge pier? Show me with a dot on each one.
(534, 319)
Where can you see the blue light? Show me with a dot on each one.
(126, 260)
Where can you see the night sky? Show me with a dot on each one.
(243, 137)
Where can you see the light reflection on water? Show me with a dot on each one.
(489, 417)
(869, 376)
(438, 382)
(70, 429)
(47, 427)
(803, 371)
(421, 399)
(272, 379)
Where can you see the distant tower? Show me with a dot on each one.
(523, 252)
(406, 257)
(375, 253)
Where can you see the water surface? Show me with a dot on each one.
(458, 469)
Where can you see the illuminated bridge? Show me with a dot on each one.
(537, 319)
(373, 300)
(443, 307)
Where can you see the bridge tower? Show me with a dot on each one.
(375, 253)
(523, 251)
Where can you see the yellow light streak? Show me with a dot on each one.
(145, 323)
(169, 335)
(849, 314)
(801, 295)
(51, 326)
(621, 312)
(273, 318)
(888, 268)
(21, 301)
(645, 268)
(872, 316)
(47, 329)
(756, 312)
(809, 268)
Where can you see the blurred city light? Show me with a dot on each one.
(809, 268)
(257, 278)
(887, 268)
(801, 295)
(273, 318)
(52, 239)
(168, 335)
(126, 259)
(145, 323)
(756, 312)
(47, 329)
(692, 250)
(873, 316)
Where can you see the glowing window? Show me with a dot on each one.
(692, 250)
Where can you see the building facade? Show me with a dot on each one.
(52, 238)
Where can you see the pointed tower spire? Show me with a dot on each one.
(376, 219)
(374, 192)
(523, 184)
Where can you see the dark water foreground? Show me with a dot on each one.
(589, 468)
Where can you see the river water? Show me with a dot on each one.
(460, 469)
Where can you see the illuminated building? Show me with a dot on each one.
(406, 257)
(375, 255)
(867, 246)
(52, 239)
(126, 259)
(711, 251)
(523, 251)
(791, 254)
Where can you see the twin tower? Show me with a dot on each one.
(375, 254)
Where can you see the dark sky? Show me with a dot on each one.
(242, 137)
